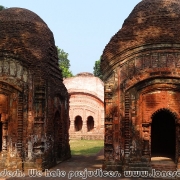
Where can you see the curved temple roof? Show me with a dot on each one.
(85, 83)
(24, 33)
(150, 22)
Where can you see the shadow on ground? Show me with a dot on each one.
(75, 169)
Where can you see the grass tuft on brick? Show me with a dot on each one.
(86, 147)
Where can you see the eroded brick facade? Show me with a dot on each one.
(86, 106)
(33, 100)
(142, 87)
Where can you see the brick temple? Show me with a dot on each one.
(141, 69)
(86, 106)
(34, 102)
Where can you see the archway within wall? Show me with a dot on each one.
(78, 123)
(90, 123)
(0, 134)
(163, 139)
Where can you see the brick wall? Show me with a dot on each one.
(33, 99)
(140, 68)
(86, 100)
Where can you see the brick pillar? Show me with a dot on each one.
(178, 145)
(127, 128)
(146, 140)
(84, 126)
(4, 135)
(71, 128)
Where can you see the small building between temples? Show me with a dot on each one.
(86, 106)
(141, 70)
(34, 107)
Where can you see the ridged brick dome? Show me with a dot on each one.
(25, 34)
(150, 22)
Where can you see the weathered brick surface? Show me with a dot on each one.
(140, 66)
(150, 22)
(87, 102)
(33, 99)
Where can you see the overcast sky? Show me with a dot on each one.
(81, 28)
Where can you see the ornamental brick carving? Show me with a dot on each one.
(141, 73)
(86, 106)
(34, 107)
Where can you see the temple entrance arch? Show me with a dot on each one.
(90, 123)
(1, 135)
(78, 123)
(163, 134)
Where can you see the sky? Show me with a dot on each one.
(82, 28)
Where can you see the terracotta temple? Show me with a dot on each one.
(141, 70)
(34, 117)
(86, 106)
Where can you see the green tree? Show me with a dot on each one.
(2, 7)
(64, 63)
(97, 70)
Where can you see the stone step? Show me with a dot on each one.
(164, 167)
(139, 164)
(90, 136)
(139, 169)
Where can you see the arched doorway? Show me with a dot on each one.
(163, 136)
(78, 123)
(0, 134)
(90, 123)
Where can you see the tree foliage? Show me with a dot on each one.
(97, 70)
(64, 63)
(2, 7)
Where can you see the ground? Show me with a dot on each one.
(75, 164)
(87, 158)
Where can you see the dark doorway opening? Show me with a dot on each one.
(163, 137)
(90, 123)
(1, 134)
(78, 123)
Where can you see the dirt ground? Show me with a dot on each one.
(75, 168)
